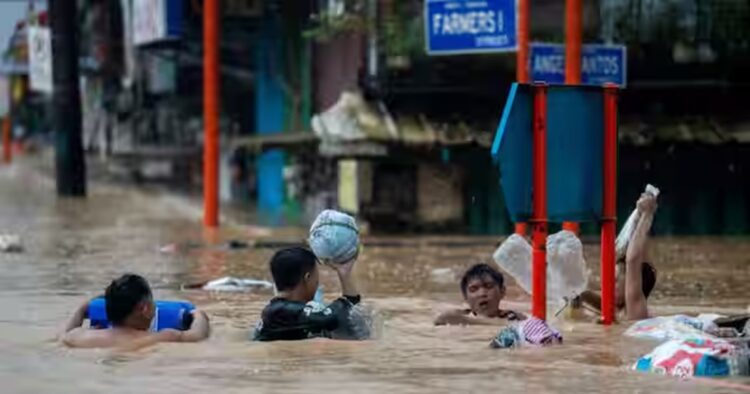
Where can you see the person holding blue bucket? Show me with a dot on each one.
(128, 316)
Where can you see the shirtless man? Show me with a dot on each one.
(130, 309)
(636, 277)
(483, 287)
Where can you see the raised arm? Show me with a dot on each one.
(74, 327)
(636, 306)
(348, 284)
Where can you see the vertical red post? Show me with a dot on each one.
(539, 216)
(573, 32)
(7, 152)
(573, 29)
(211, 113)
(609, 206)
(522, 57)
(522, 67)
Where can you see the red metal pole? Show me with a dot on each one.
(522, 57)
(573, 28)
(211, 113)
(539, 219)
(522, 67)
(609, 206)
(7, 152)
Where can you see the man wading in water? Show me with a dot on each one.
(130, 309)
(483, 287)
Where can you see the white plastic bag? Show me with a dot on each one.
(514, 257)
(623, 239)
(567, 274)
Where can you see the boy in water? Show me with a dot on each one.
(130, 309)
(636, 277)
(483, 287)
(290, 316)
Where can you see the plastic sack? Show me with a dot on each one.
(10, 243)
(334, 237)
(676, 327)
(695, 357)
(230, 284)
(567, 274)
(514, 257)
(623, 239)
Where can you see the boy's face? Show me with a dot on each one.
(483, 295)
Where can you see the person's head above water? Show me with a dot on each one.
(295, 273)
(483, 287)
(129, 302)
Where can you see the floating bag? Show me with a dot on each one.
(695, 357)
(169, 315)
(567, 274)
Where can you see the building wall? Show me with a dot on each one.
(439, 193)
(337, 65)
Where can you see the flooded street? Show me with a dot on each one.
(74, 248)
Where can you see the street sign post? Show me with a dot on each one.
(470, 26)
(600, 64)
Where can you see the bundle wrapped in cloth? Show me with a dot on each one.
(531, 331)
(334, 237)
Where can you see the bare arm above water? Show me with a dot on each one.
(199, 330)
(73, 332)
(636, 306)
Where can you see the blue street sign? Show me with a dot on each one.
(469, 26)
(600, 64)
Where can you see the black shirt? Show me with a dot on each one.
(283, 319)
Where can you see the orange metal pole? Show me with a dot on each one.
(609, 206)
(573, 29)
(211, 113)
(7, 152)
(539, 216)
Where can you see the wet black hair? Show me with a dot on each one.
(289, 266)
(479, 271)
(648, 278)
(123, 295)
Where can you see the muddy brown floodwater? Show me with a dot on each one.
(74, 248)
